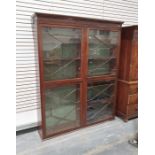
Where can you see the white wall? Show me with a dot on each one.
(28, 100)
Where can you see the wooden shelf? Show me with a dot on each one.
(99, 101)
(101, 58)
(55, 61)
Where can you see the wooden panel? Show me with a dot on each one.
(124, 57)
(122, 97)
(133, 99)
(134, 59)
(128, 74)
(133, 89)
(129, 55)
(132, 109)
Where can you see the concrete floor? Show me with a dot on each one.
(109, 138)
(120, 149)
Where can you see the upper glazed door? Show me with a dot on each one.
(102, 52)
(61, 53)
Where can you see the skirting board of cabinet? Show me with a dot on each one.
(126, 117)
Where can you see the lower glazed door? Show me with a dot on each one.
(62, 108)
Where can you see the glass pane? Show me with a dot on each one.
(102, 52)
(100, 101)
(62, 108)
(61, 53)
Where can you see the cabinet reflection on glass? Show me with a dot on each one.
(102, 52)
(61, 53)
(100, 101)
(62, 108)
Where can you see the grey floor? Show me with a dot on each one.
(109, 138)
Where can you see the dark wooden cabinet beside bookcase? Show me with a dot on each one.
(78, 61)
(127, 94)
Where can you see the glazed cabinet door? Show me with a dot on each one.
(100, 101)
(60, 57)
(61, 53)
(62, 108)
(102, 52)
(102, 62)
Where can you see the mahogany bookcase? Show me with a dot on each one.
(78, 62)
